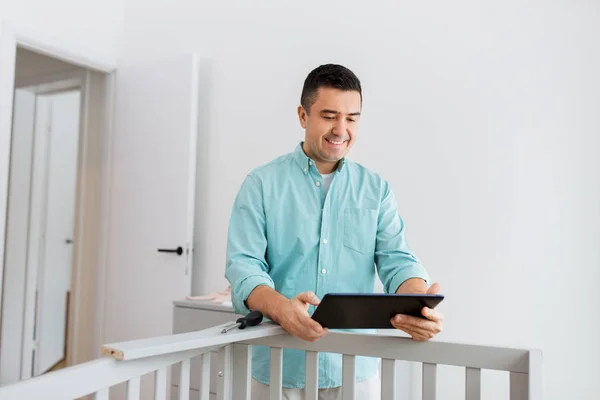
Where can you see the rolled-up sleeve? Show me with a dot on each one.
(394, 260)
(246, 267)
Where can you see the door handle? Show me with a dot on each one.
(178, 250)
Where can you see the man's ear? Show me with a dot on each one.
(302, 116)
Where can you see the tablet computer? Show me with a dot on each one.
(370, 310)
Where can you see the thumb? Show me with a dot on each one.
(434, 289)
(309, 297)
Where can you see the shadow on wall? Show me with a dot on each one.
(202, 238)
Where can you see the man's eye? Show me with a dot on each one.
(329, 118)
(351, 119)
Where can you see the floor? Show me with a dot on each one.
(58, 366)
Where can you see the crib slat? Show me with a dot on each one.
(536, 380)
(133, 388)
(518, 386)
(388, 381)
(473, 384)
(429, 381)
(160, 384)
(242, 366)
(276, 381)
(184, 380)
(225, 381)
(348, 376)
(312, 376)
(102, 394)
(204, 376)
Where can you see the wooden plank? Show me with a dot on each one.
(276, 381)
(204, 388)
(382, 346)
(518, 386)
(184, 380)
(388, 379)
(242, 370)
(348, 376)
(429, 381)
(473, 384)
(87, 378)
(101, 394)
(160, 384)
(312, 376)
(211, 337)
(226, 370)
(133, 388)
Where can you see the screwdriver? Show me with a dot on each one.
(252, 319)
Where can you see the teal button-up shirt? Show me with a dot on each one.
(287, 233)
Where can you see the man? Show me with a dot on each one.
(312, 222)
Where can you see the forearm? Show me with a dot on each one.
(412, 285)
(267, 301)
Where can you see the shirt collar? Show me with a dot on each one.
(305, 162)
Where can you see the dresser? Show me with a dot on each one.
(195, 315)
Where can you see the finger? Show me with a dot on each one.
(434, 289)
(300, 329)
(308, 323)
(415, 332)
(412, 321)
(432, 314)
(309, 297)
(418, 323)
(311, 335)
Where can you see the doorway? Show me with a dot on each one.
(49, 268)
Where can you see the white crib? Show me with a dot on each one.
(128, 362)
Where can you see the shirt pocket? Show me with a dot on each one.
(360, 229)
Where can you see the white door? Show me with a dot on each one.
(152, 189)
(17, 227)
(55, 257)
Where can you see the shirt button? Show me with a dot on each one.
(324, 241)
(323, 271)
(318, 183)
(310, 163)
(305, 170)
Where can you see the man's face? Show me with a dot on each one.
(331, 126)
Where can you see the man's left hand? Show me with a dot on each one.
(421, 329)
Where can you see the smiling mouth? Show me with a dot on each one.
(336, 142)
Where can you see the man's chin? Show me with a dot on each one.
(334, 157)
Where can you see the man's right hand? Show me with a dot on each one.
(293, 316)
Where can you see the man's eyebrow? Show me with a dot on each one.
(327, 111)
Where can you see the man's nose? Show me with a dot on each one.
(339, 128)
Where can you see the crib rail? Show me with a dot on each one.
(524, 366)
(127, 362)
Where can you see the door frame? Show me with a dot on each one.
(99, 73)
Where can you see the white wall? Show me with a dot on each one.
(484, 117)
(89, 29)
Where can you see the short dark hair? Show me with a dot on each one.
(329, 76)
